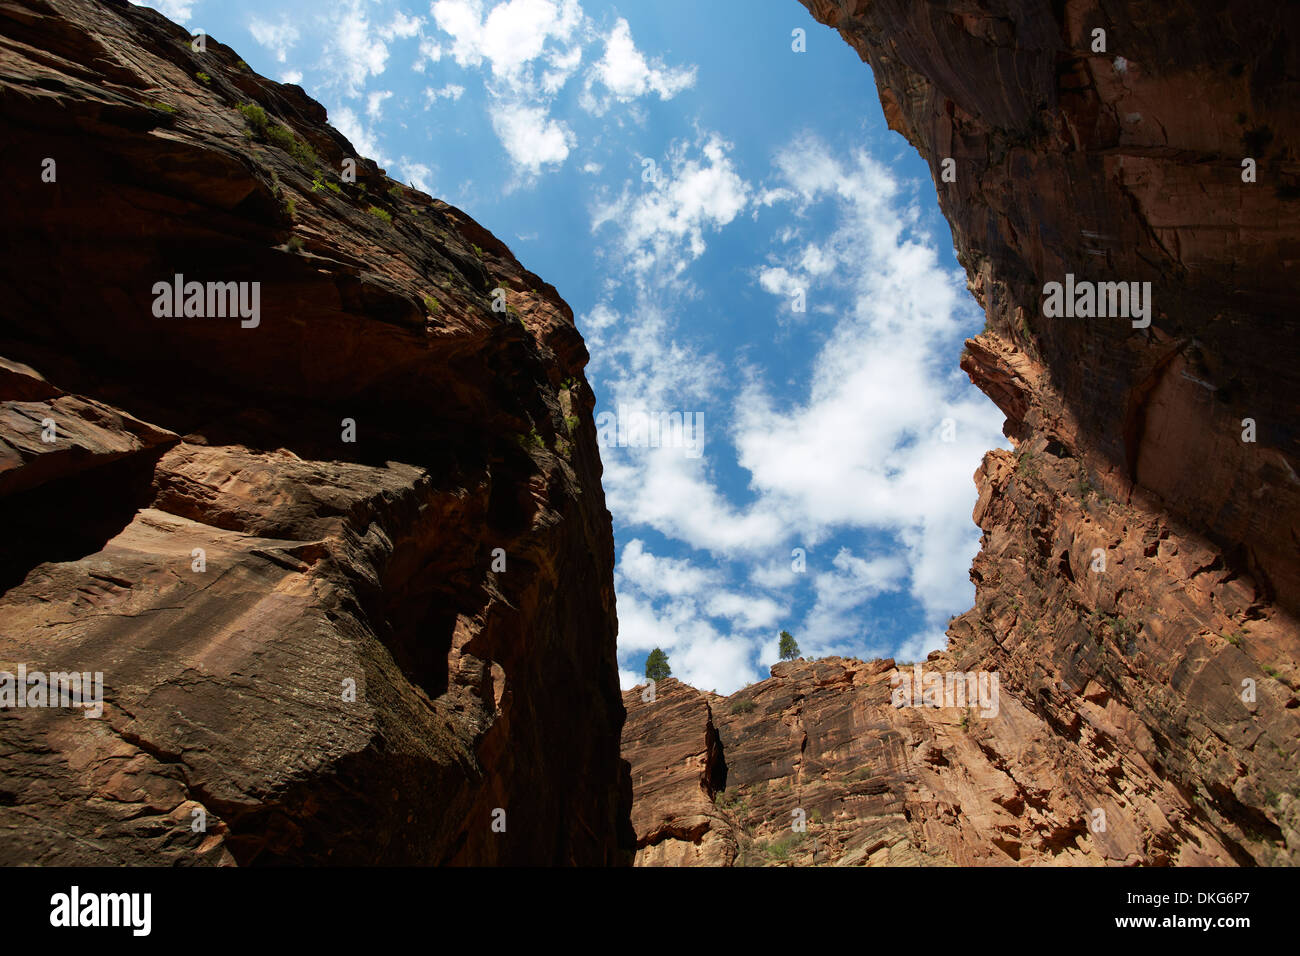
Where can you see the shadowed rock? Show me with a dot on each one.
(1140, 564)
(307, 641)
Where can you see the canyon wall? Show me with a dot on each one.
(1139, 575)
(343, 561)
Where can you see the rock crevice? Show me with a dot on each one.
(337, 560)
(1138, 578)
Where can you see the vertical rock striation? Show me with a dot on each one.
(680, 769)
(1141, 557)
(1139, 576)
(822, 769)
(1124, 166)
(343, 562)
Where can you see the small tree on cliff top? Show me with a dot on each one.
(656, 665)
(789, 649)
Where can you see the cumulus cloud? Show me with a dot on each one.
(531, 138)
(512, 35)
(401, 27)
(528, 51)
(355, 47)
(745, 611)
(876, 444)
(780, 281)
(363, 137)
(686, 610)
(179, 10)
(835, 622)
(430, 51)
(664, 224)
(662, 577)
(278, 37)
(451, 92)
(417, 174)
(625, 73)
(903, 472)
(375, 102)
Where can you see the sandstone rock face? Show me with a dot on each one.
(1140, 569)
(823, 769)
(1125, 165)
(309, 643)
(674, 746)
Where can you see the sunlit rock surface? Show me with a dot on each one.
(1140, 567)
(308, 644)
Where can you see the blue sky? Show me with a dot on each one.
(741, 238)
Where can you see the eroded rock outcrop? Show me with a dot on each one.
(680, 769)
(1124, 165)
(185, 511)
(1140, 569)
(823, 769)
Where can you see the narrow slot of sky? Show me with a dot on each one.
(745, 244)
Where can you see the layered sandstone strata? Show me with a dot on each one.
(1140, 569)
(342, 564)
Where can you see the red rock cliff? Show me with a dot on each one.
(278, 538)
(1157, 682)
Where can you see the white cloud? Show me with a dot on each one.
(916, 647)
(417, 174)
(291, 76)
(356, 45)
(626, 73)
(430, 51)
(375, 102)
(775, 576)
(853, 582)
(662, 489)
(815, 261)
(529, 50)
(401, 27)
(769, 197)
(779, 281)
(664, 224)
(179, 10)
(515, 40)
(895, 350)
(660, 577)
(698, 653)
(279, 37)
(855, 453)
(562, 66)
(677, 605)
(511, 37)
(746, 612)
(449, 92)
(361, 136)
(530, 137)
(600, 317)
(709, 661)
